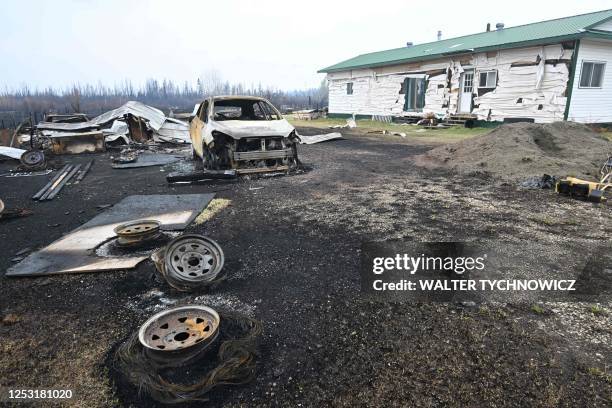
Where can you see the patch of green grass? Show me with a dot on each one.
(371, 127)
(496, 313)
(318, 123)
(597, 310)
(545, 219)
(548, 220)
(484, 310)
(598, 372)
(537, 309)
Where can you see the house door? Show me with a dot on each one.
(465, 94)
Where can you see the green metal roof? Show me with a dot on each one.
(529, 34)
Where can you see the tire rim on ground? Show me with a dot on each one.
(180, 334)
(33, 158)
(191, 261)
(137, 232)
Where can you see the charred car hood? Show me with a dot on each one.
(239, 129)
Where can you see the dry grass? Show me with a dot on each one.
(214, 208)
(607, 134)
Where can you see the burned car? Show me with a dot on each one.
(244, 133)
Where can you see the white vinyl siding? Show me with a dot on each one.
(380, 92)
(592, 105)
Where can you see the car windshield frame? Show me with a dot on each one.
(267, 111)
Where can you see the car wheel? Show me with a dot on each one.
(199, 165)
(209, 162)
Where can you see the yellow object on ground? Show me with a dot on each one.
(590, 190)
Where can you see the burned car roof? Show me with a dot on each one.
(224, 97)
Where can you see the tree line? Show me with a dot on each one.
(18, 104)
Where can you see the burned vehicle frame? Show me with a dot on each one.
(244, 133)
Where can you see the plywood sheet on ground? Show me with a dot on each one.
(74, 253)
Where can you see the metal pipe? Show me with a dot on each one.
(201, 175)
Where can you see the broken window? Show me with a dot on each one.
(349, 88)
(241, 109)
(487, 79)
(271, 112)
(258, 112)
(415, 94)
(591, 75)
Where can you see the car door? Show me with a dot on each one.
(198, 127)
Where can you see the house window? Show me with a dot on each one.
(349, 88)
(414, 94)
(487, 79)
(591, 75)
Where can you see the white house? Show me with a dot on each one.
(546, 71)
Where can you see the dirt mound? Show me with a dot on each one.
(519, 150)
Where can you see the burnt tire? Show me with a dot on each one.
(209, 162)
(199, 165)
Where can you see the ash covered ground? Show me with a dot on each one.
(292, 250)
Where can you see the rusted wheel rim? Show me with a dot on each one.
(193, 259)
(179, 329)
(135, 232)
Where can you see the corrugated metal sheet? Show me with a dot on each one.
(66, 127)
(154, 116)
(562, 27)
(59, 135)
(319, 138)
(173, 130)
(11, 152)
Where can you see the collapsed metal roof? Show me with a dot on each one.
(155, 117)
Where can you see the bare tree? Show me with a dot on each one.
(20, 103)
(75, 98)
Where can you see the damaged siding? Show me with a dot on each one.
(378, 92)
(517, 94)
(436, 95)
(371, 95)
(592, 105)
(525, 88)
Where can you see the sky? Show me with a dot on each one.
(280, 44)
